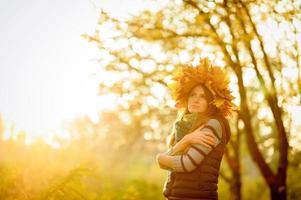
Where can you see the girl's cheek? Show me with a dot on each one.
(203, 101)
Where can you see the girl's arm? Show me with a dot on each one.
(202, 137)
(199, 136)
(196, 153)
(191, 138)
(164, 159)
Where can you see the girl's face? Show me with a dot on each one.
(197, 101)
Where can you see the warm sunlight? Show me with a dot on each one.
(64, 83)
(150, 100)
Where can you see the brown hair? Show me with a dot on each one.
(210, 112)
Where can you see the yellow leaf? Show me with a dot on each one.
(219, 101)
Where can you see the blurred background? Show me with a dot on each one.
(84, 105)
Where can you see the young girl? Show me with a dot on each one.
(199, 136)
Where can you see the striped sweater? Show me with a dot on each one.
(196, 153)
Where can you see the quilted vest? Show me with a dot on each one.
(201, 183)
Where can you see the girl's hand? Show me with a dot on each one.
(164, 161)
(203, 137)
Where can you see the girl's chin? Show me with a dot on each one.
(195, 111)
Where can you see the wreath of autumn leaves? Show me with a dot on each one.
(214, 78)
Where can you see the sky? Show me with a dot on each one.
(47, 70)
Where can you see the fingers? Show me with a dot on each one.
(198, 141)
(208, 140)
(206, 145)
(209, 134)
(206, 132)
(209, 143)
(203, 141)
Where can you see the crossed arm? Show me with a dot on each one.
(189, 152)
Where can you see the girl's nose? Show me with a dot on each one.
(197, 99)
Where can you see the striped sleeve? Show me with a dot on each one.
(197, 152)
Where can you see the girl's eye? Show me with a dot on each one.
(192, 95)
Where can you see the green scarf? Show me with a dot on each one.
(183, 125)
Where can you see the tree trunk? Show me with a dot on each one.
(278, 190)
(235, 187)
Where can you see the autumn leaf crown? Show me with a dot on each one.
(213, 78)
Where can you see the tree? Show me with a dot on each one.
(145, 48)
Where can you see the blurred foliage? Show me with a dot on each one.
(257, 42)
(89, 166)
(114, 158)
(99, 170)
